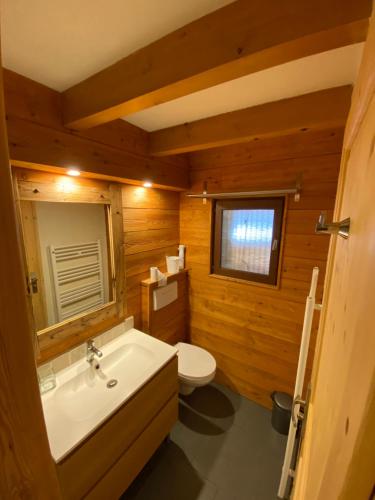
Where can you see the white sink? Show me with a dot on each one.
(85, 395)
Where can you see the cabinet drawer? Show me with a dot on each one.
(121, 475)
(93, 458)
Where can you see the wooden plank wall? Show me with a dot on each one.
(151, 216)
(151, 232)
(254, 331)
(27, 469)
(150, 225)
(118, 150)
(168, 323)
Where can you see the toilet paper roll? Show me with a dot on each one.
(154, 273)
(181, 256)
(172, 264)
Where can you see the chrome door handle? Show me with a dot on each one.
(341, 228)
(301, 403)
(34, 282)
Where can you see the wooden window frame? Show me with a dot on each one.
(278, 205)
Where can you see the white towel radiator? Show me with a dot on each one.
(298, 389)
(78, 278)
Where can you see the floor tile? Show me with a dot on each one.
(222, 448)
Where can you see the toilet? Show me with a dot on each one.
(196, 367)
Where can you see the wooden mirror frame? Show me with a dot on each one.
(36, 185)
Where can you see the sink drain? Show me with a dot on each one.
(112, 383)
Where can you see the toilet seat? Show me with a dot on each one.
(196, 366)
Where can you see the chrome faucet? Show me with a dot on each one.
(92, 351)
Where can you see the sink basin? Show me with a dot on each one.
(85, 396)
(127, 361)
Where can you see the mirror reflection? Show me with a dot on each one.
(68, 258)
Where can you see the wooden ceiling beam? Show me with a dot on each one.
(241, 38)
(316, 111)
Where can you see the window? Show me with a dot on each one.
(246, 242)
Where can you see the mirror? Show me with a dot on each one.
(69, 259)
(73, 240)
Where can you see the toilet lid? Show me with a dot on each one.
(194, 362)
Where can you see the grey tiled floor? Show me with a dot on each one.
(222, 448)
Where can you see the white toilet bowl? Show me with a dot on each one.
(196, 367)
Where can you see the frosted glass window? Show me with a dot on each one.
(247, 240)
(247, 235)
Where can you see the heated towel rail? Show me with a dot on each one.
(78, 278)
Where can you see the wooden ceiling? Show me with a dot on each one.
(238, 39)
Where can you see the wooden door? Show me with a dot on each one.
(338, 454)
(27, 470)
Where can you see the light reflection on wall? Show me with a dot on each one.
(66, 185)
(140, 193)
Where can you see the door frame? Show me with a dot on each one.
(27, 469)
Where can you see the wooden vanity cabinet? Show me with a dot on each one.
(106, 463)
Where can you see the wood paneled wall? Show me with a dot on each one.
(27, 469)
(169, 322)
(254, 331)
(151, 216)
(117, 150)
(151, 232)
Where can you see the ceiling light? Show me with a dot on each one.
(73, 172)
(147, 184)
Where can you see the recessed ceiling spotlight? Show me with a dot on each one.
(147, 184)
(74, 172)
